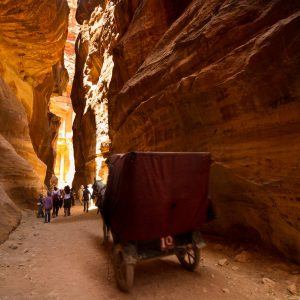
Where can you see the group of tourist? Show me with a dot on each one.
(85, 197)
(85, 194)
(55, 200)
(65, 198)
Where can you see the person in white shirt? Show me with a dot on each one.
(67, 201)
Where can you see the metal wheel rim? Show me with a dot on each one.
(189, 256)
(124, 273)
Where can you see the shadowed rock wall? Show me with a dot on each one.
(114, 40)
(32, 37)
(218, 76)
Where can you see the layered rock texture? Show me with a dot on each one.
(69, 56)
(32, 37)
(218, 76)
(60, 105)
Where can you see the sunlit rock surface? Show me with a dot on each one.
(218, 76)
(64, 163)
(73, 30)
(32, 37)
(19, 165)
(61, 106)
(89, 91)
(114, 40)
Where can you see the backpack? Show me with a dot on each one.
(86, 195)
(48, 203)
(56, 199)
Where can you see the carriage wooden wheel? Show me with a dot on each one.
(105, 233)
(157, 221)
(189, 257)
(124, 272)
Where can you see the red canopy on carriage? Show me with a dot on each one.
(151, 195)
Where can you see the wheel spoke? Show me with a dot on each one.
(188, 258)
(191, 257)
(191, 254)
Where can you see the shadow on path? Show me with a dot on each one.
(77, 215)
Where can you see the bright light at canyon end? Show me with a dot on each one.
(64, 165)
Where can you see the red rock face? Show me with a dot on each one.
(69, 57)
(218, 76)
(106, 58)
(32, 40)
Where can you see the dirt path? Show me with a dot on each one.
(65, 260)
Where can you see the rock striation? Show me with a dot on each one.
(218, 76)
(32, 37)
(107, 55)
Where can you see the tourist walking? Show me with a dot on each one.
(67, 201)
(40, 204)
(56, 201)
(80, 194)
(48, 204)
(86, 198)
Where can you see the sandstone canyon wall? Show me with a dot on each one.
(32, 37)
(60, 105)
(98, 74)
(220, 76)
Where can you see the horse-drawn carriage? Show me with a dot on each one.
(155, 204)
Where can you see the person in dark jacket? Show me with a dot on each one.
(56, 201)
(67, 201)
(86, 198)
(48, 204)
(40, 206)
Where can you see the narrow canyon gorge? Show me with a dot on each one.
(218, 76)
